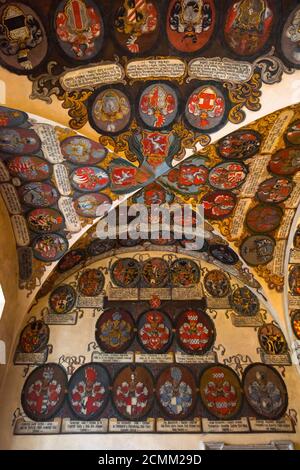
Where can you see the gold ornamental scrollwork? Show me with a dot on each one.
(264, 125)
(273, 280)
(244, 95)
(210, 155)
(47, 84)
(119, 144)
(75, 102)
(224, 227)
(189, 139)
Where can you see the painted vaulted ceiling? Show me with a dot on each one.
(156, 102)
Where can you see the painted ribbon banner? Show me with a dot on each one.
(244, 322)
(72, 221)
(293, 201)
(102, 357)
(20, 230)
(287, 220)
(237, 224)
(237, 425)
(224, 70)
(277, 130)
(91, 77)
(264, 425)
(90, 302)
(276, 266)
(181, 358)
(156, 68)
(10, 197)
(258, 172)
(50, 142)
(163, 425)
(25, 426)
(25, 263)
(115, 293)
(218, 303)
(141, 358)
(75, 426)
(129, 426)
(4, 173)
(61, 176)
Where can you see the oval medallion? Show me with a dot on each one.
(62, 299)
(88, 391)
(272, 340)
(50, 247)
(227, 176)
(45, 220)
(19, 141)
(136, 25)
(38, 194)
(285, 162)
(190, 24)
(223, 253)
(275, 190)
(153, 194)
(295, 321)
(264, 218)
(239, 145)
(115, 330)
(89, 179)
(244, 302)
(218, 204)
(126, 272)
(195, 332)
(294, 280)
(29, 168)
(34, 337)
(187, 178)
(23, 40)
(221, 391)
(206, 109)
(292, 135)
(82, 151)
(290, 39)
(176, 392)
(98, 247)
(92, 205)
(158, 106)
(133, 392)
(265, 391)
(79, 29)
(91, 282)
(70, 260)
(44, 392)
(248, 26)
(155, 272)
(217, 283)
(154, 331)
(10, 117)
(296, 240)
(257, 250)
(184, 273)
(110, 112)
